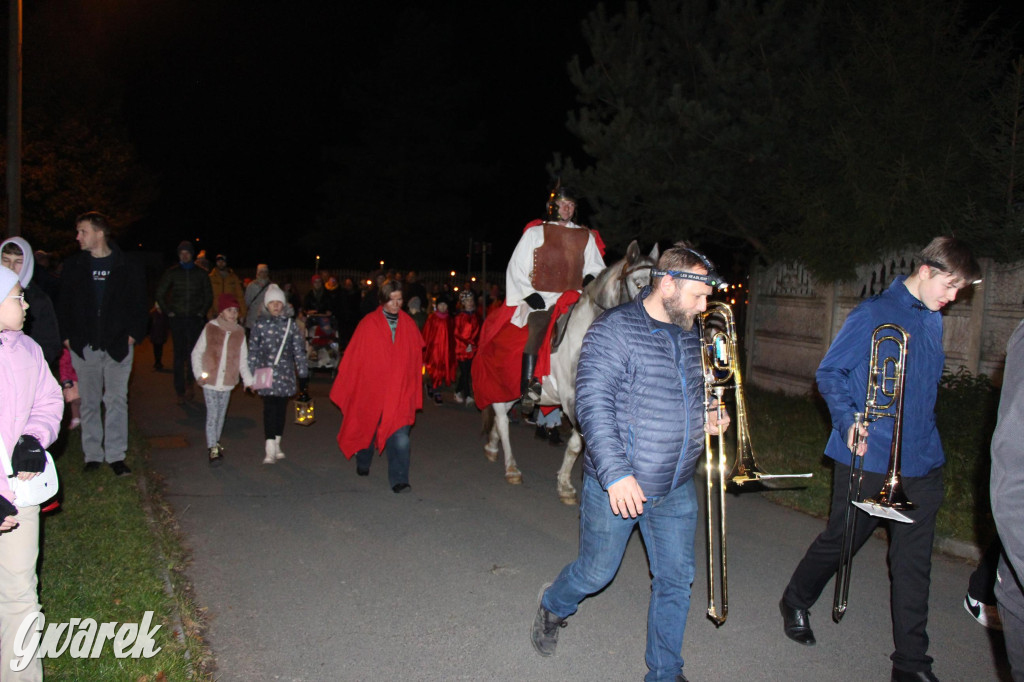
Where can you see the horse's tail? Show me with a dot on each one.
(487, 417)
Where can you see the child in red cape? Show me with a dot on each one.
(440, 339)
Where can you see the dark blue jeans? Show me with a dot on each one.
(397, 447)
(667, 525)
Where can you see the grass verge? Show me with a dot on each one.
(111, 554)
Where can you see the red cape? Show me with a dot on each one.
(378, 382)
(498, 364)
(439, 335)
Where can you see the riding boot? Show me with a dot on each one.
(526, 403)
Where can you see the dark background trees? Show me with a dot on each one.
(829, 132)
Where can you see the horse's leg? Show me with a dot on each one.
(512, 473)
(566, 491)
(491, 428)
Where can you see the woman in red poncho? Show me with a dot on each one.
(378, 387)
(440, 358)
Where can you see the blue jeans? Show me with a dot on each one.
(667, 526)
(397, 447)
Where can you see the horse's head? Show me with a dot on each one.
(622, 281)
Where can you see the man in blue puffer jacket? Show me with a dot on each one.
(640, 406)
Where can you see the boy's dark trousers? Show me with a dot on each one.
(910, 559)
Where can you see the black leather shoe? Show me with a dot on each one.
(362, 472)
(797, 624)
(907, 676)
(401, 488)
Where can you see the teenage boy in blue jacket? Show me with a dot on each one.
(914, 303)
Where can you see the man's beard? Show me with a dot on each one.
(677, 315)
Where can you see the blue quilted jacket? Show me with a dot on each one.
(640, 400)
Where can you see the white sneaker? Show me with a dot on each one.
(986, 614)
(277, 448)
(469, 400)
(270, 450)
(458, 398)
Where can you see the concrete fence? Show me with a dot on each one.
(792, 319)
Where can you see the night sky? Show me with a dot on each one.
(238, 107)
(233, 104)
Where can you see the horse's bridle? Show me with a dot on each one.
(624, 279)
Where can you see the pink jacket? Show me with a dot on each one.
(30, 398)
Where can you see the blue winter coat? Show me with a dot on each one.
(843, 379)
(640, 400)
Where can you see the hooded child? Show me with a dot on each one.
(30, 416)
(277, 342)
(41, 321)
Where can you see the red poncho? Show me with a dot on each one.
(440, 357)
(467, 335)
(378, 382)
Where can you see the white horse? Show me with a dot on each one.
(617, 283)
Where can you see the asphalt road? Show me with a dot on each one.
(312, 573)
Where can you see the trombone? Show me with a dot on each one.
(884, 400)
(720, 363)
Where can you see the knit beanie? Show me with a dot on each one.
(274, 293)
(187, 246)
(8, 280)
(225, 301)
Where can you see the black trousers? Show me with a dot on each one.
(910, 560)
(185, 332)
(275, 409)
(982, 585)
(464, 384)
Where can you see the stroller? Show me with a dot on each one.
(323, 349)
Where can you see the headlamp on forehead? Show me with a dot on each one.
(712, 278)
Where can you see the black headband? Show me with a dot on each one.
(712, 278)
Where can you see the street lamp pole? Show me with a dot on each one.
(14, 121)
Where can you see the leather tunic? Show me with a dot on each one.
(558, 262)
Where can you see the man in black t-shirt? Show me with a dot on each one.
(102, 313)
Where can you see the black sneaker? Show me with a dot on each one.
(91, 466)
(120, 468)
(401, 488)
(554, 437)
(544, 635)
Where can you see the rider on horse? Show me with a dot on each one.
(554, 256)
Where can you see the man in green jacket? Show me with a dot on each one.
(185, 295)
